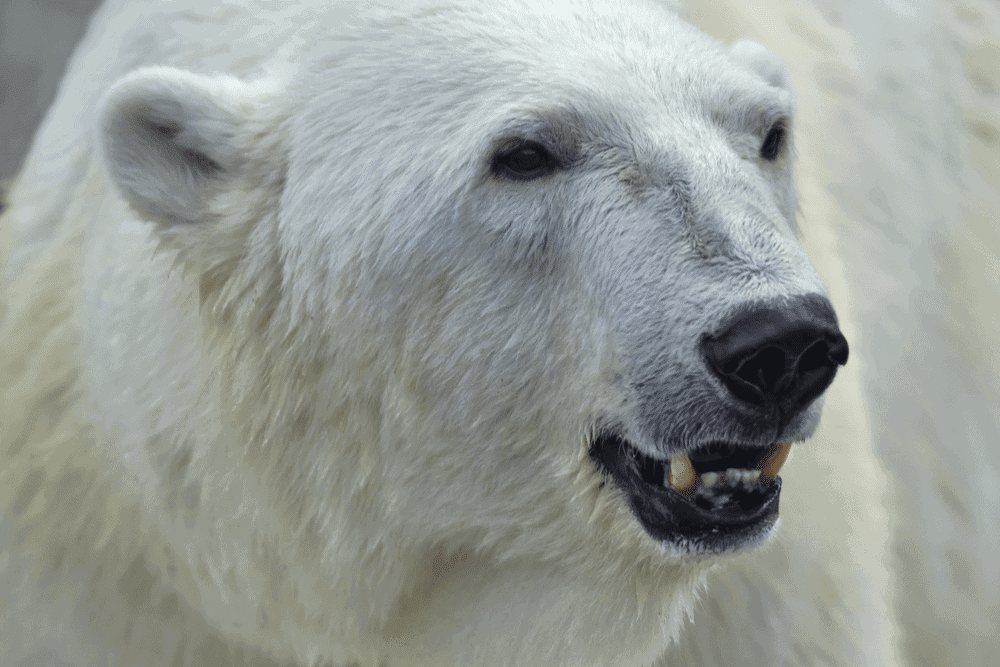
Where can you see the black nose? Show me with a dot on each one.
(780, 356)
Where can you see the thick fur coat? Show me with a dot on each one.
(294, 372)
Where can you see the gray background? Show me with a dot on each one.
(36, 38)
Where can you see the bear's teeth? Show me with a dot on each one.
(730, 477)
(739, 476)
(681, 474)
(772, 463)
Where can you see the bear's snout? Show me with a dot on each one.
(778, 355)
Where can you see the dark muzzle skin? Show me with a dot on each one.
(680, 520)
(772, 360)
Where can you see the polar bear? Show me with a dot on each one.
(422, 334)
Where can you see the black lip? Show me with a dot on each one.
(685, 522)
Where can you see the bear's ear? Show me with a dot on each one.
(167, 139)
(758, 58)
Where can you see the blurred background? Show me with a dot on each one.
(36, 39)
(908, 100)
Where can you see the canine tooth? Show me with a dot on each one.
(681, 474)
(773, 461)
(709, 479)
(750, 476)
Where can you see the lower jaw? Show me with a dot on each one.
(704, 538)
(683, 515)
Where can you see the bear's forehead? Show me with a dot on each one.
(570, 65)
(545, 41)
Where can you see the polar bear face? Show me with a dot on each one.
(517, 280)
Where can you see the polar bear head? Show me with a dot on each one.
(515, 279)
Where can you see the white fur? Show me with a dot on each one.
(167, 134)
(333, 407)
(761, 60)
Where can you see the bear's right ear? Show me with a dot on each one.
(167, 139)
(759, 59)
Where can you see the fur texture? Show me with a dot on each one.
(293, 377)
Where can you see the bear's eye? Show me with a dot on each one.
(526, 161)
(773, 142)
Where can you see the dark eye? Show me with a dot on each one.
(524, 162)
(773, 142)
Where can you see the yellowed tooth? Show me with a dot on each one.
(772, 462)
(682, 476)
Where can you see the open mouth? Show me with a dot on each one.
(715, 498)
